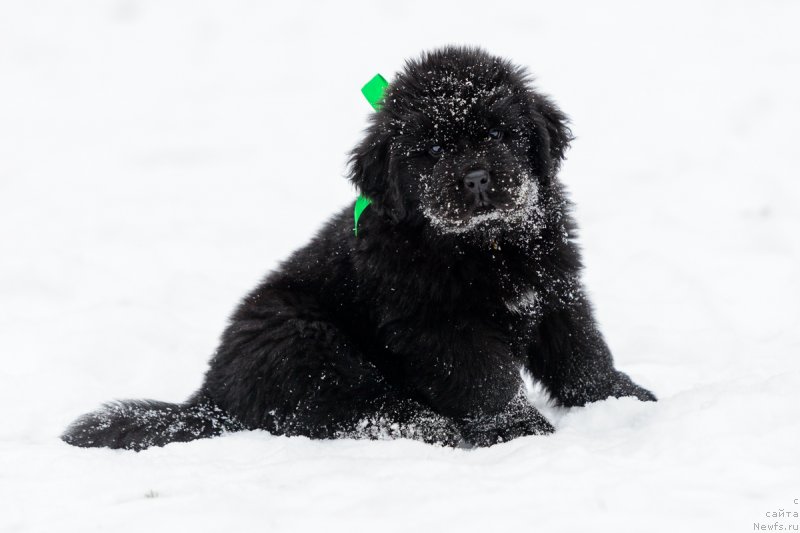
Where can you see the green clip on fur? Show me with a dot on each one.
(361, 203)
(373, 91)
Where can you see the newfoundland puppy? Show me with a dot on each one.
(460, 276)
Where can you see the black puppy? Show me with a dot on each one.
(463, 273)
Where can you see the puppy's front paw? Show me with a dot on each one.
(611, 385)
(519, 420)
(624, 386)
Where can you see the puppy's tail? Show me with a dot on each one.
(139, 424)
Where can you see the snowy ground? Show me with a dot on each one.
(146, 183)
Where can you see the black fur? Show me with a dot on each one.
(420, 325)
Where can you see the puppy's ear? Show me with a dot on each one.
(552, 135)
(373, 171)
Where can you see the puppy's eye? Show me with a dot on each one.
(436, 150)
(495, 134)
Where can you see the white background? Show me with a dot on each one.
(157, 158)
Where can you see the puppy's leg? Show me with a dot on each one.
(569, 356)
(518, 419)
(285, 365)
(468, 372)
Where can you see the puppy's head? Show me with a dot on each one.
(463, 144)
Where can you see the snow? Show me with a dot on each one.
(157, 158)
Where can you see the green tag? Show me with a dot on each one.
(374, 89)
(361, 204)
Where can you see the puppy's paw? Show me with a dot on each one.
(404, 419)
(615, 384)
(519, 420)
(624, 386)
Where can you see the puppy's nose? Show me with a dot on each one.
(477, 181)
